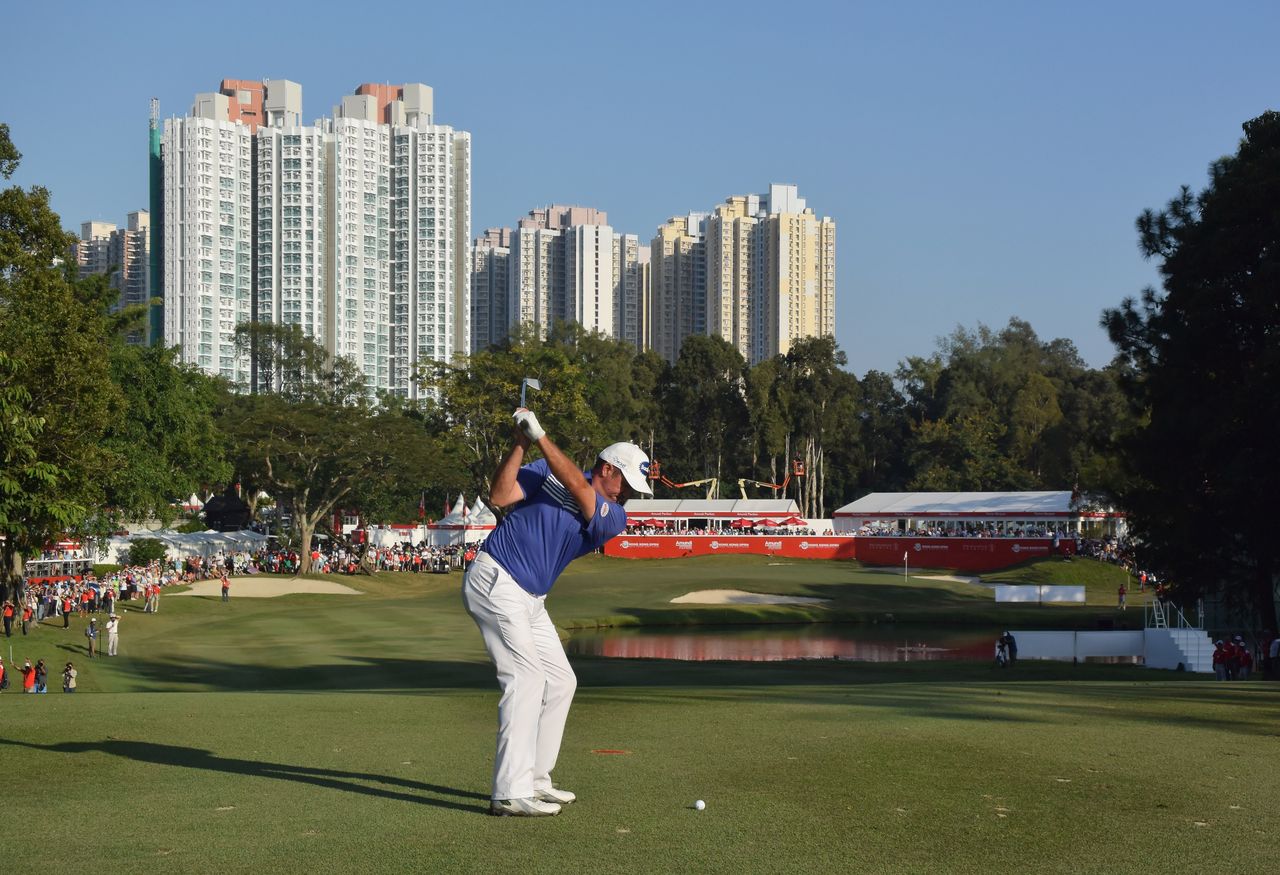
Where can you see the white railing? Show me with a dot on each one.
(1157, 614)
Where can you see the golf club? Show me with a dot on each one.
(528, 383)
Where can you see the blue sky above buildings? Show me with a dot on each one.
(982, 160)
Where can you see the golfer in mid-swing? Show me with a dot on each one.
(560, 513)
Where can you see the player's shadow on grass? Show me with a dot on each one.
(401, 789)
(355, 672)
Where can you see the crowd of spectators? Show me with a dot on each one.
(1235, 658)
(92, 594)
(42, 601)
(736, 531)
(1118, 551)
(327, 557)
(423, 557)
(965, 529)
(1232, 660)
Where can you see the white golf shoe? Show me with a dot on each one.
(528, 807)
(560, 797)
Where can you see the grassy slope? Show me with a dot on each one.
(597, 590)
(1101, 580)
(355, 733)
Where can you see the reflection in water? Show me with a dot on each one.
(774, 643)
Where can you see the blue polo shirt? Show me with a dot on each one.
(545, 531)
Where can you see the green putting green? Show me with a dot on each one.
(355, 733)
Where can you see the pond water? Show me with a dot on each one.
(895, 643)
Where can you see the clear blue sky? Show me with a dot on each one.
(982, 160)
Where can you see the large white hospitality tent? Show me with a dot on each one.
(716, 513)
(950, 511)
(180, 545)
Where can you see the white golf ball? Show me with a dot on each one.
(699, 805)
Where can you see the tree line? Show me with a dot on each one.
(989, 410)
(1176, 429)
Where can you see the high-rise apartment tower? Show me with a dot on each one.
(354, 228)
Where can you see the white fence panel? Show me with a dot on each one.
(1109, 643)
(1039, 594)
(1078, 645)
(1045, 645)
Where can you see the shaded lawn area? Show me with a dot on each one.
(909, 776)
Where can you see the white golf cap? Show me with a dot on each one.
(632, 462)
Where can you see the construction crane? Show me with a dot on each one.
(656, 475)
(797, 471)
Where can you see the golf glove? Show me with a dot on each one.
(528, 423)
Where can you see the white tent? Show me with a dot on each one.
(715, 508)
(478, 516)
(180, 545)
(481, 515)
(974, 504)
(463, 524)
(385, 536)
(456, 516)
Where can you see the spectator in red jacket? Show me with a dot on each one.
(1229, 659)
(1244, 659)
(1219, 660)
(28, 677)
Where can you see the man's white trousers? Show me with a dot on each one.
(534, 675)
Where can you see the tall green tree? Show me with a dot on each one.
(1030, 412)
(1033, 412)
(610, 388)
(650, 373)
(425, 466)
(819, 399)
(1204, 357)
(56, 381)
(768, 432)
(884, 429)
(960, 454)
(705, 413)
(477, 395)
(164, 432)
(296, 368)
(319, 444)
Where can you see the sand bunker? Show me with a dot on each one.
(269, 587)
(738, 597)
(954, 578)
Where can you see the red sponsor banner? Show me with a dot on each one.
(675, 546)
(961, 554)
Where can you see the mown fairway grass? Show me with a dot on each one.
(354, 733)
